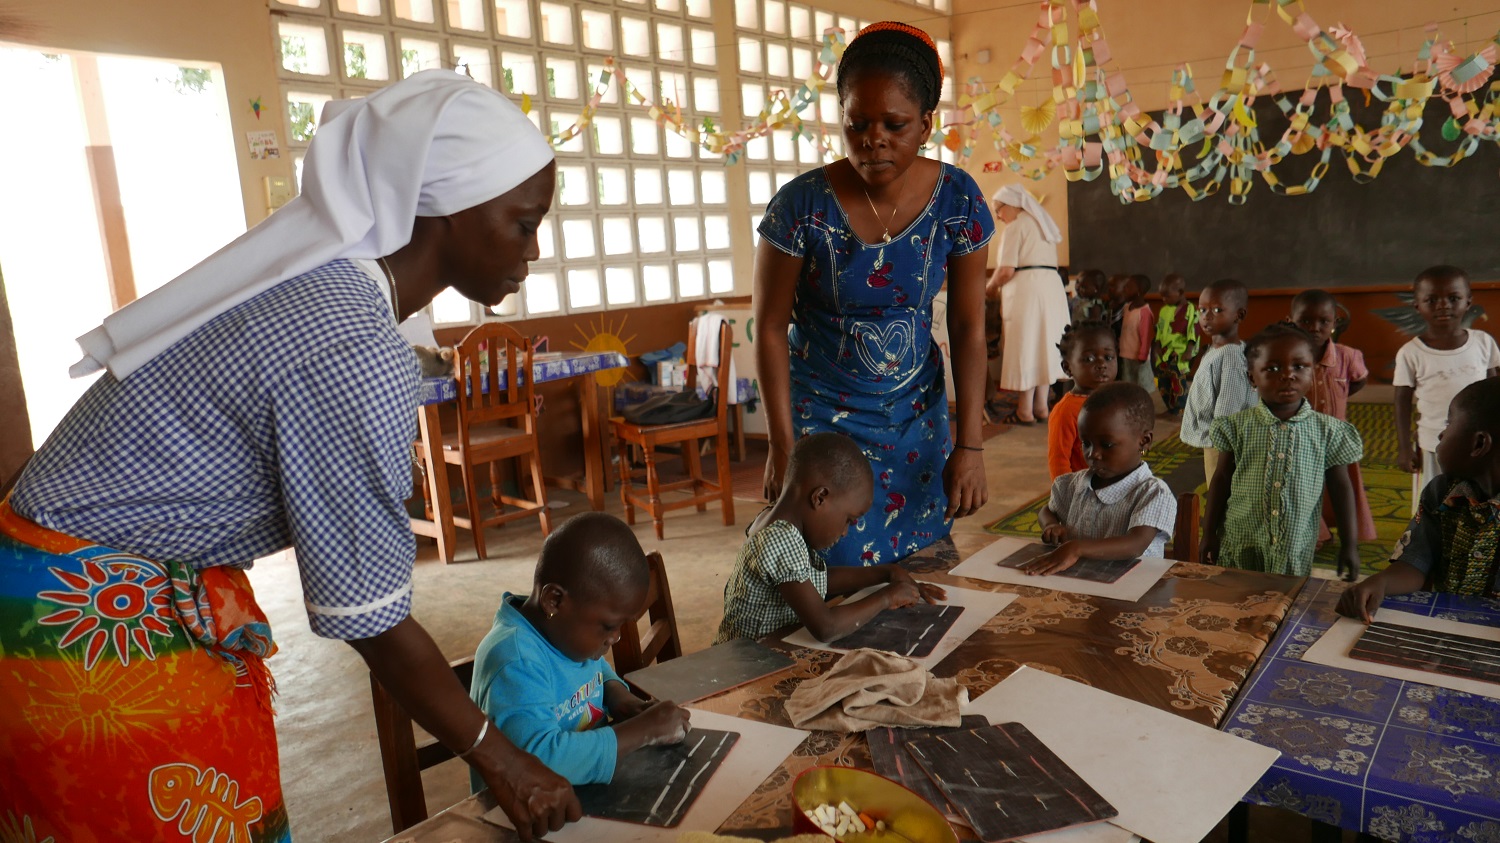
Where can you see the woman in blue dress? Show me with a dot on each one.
(851, 256)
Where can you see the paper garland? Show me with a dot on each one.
(1101, 130)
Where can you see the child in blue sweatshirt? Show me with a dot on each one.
(540, 673)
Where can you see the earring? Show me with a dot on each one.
(551, 614)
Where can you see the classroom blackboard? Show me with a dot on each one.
(1342, 234)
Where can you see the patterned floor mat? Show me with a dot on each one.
(1387, 487)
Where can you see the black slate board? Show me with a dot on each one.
(889, 757)
(1435, 652)
(912, 631)
(1093, 570)
(707, 672)
(1008, 784)
(658, 784)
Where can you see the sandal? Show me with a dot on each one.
(1014, 419)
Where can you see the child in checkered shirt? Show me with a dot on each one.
(780, 577)
(1277, 457)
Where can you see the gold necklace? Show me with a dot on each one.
(390, 278)
(884, 225)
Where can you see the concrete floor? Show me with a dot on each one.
(330, 760)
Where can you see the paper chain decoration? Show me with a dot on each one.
(1102, 129)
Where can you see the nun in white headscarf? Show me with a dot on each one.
(1033, 303)
(265, 399)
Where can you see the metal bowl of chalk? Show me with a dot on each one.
(857, 806)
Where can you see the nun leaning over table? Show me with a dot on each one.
(225, 427)
(1033, 303)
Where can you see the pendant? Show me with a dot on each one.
(887, 237)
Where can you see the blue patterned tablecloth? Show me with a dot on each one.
(1402, 761)
(544, 368)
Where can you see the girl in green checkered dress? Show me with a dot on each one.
(1265, 495)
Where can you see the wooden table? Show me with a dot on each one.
(1187, 646)
(578, 367)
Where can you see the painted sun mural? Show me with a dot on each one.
(604, 335)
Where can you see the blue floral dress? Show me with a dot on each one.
(863, 361)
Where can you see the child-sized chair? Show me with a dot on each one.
(1185, 533)
(403, 758)
(686, 436)
(496, 421)
(661, 642)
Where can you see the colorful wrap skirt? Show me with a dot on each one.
(135, 703)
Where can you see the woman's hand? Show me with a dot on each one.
(775, 474)
(535, 799)
(963, 482)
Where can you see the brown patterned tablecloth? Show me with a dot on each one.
(1186, 646)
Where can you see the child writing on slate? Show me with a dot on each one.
(1136, 331)
(1116, 508)
(1340, 373)
(1433, 367)
(1221, 386)
(1453, 542)
(540, 673)
(780, 577)
(1177, 342)
(1276, 457)
(1089, 358)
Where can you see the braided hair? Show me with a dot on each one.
(1257, 345)
(899, 50)
(1074, 334)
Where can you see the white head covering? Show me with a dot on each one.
(1016, 196)
(430, 145)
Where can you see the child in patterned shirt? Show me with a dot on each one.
(1276, 457)
(1453, 543)
(780, 577)
(1177, 343)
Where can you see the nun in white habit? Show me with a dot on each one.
(1033, 303)
(265, 399)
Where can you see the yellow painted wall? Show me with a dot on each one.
(1148, 38)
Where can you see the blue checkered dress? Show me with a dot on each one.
(287, 420)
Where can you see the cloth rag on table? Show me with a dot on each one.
(706, 351)
(870, 688)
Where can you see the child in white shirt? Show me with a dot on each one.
(1435, 366)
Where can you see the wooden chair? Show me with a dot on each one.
(488, 429)
(661, 642)
(404, 759)
(1185, 533)
(686, 435)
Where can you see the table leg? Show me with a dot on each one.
(437, 482)
(1324, 833)
(1239, 823)
(593, 457)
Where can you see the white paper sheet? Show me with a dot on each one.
(985, 565)
(759, 751)
(1332, 650)
(1171, 779)
(979, 607)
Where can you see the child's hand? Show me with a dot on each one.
(1055, 534)
(1061, 559)
(1362, 600)
(628, 706)
(1349, 563)
(1208, 551)
(902, 593)
(930, 593)
(664, 723)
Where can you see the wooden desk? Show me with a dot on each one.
(1185, 647)
(577, 367)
